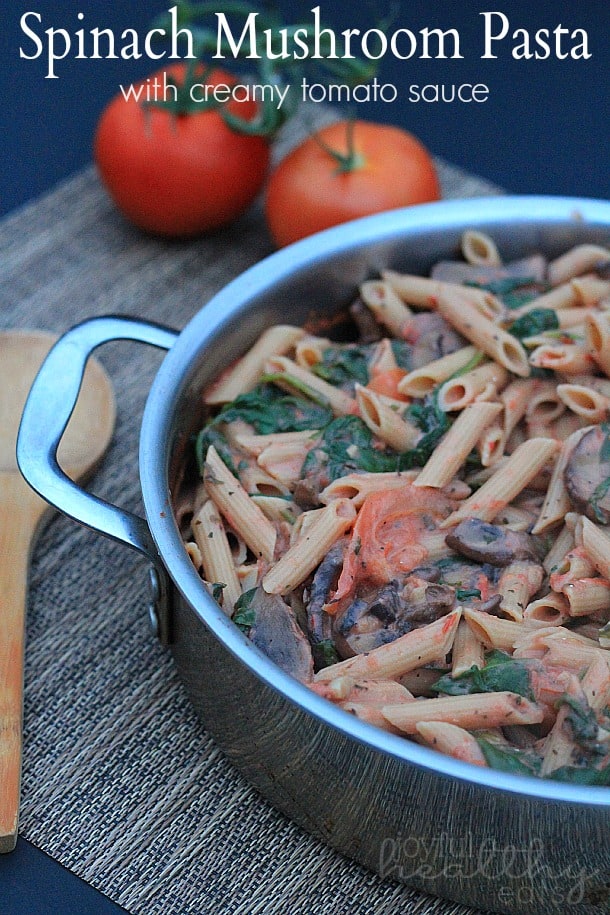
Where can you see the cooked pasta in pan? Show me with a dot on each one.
(415, 521)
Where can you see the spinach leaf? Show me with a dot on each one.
(346, 446)
(210, 435)
(599, 493)
(244, 615)
(513, 291)
(535, 322)
(433, 422)
(217, 589)
(509, 759)
(604, 454)
(584, 775)
(403, 353)
(269, 409)
(581, 721)
(467, 593)
(500, 673)
(324, 654)
(343, 365)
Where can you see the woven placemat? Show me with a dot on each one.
(121, 783)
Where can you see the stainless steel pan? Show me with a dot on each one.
(477, 836)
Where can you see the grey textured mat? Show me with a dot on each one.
(120, 783)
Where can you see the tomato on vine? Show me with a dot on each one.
(180, 168)
(347, 170)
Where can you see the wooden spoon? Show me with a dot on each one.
(21, 515)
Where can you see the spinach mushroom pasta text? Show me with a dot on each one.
(414, 523)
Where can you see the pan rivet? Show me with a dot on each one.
(153, 618)
(153, 606)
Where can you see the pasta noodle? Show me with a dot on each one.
(499, 345)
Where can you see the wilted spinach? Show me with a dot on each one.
(403, 353)
(267, 409)
(344, 365)
(500, 673)
(347, 446)
(513, 291)
(584, 775)
(244, 615)
(510, 759)
(581, 722)
(324, 654)
(535, 322)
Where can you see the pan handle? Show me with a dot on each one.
(47, 411)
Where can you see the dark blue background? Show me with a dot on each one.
(544, 128)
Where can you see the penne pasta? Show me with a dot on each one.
(475, 712)
(568, 358)
(309, 351)
(596, 544)
(233, 502)
(590, 289)
(451, 453)
(586, 399)
(478, 248)
(597, 327)
(451, 740)
(550, 610)
(415, 649)
(544, 404)
(561, 297)
(386, 305)
(556, 501)
(467, 650)
(332, 483)
(215, 552)
(482, 383)
(423, 380)
(587, 596)
(507, 482)
(498, 344)
(245, 373)
(311, 547)
(518, 583)
(283, 460)
(492, 631)
(385, 421)
(426, 293)
(357, 486)
(562, 544)
(577, 260)
(288, 374)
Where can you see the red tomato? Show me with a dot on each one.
(179, 174)
(386, 382)
(310, 190)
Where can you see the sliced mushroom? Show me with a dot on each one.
(432, 337)
(426, 601)
(369, 331)
(390, 612)
(325, 579)
(276, 632)
(491, 543)
(587, 475)
(370, 621)
(306, 493)
(533, 268)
